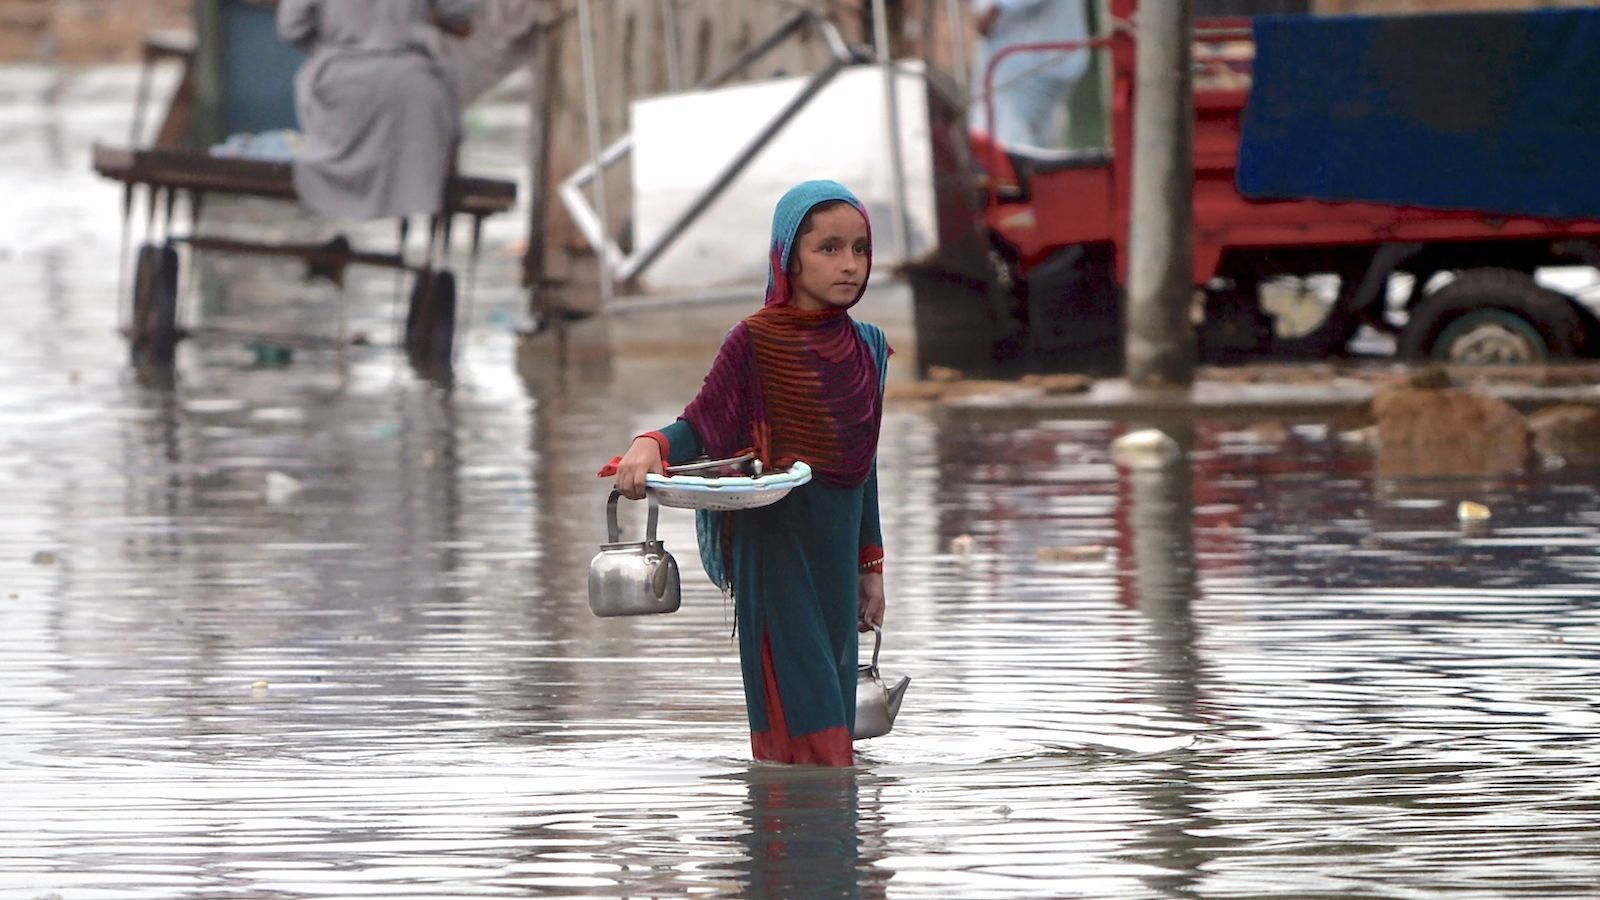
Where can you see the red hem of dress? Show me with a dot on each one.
(828, 747)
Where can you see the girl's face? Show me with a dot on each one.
(829, 263)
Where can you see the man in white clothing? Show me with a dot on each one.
(1031, 87)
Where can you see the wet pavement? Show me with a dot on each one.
(320, 630)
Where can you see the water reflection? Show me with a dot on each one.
(1160, 578)
(811, 828)
(321, 630)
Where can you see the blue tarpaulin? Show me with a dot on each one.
(1497, 112)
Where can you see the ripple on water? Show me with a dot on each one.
(1269, 672)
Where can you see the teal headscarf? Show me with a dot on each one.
(786, 218)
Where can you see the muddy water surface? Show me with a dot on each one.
(320, 630)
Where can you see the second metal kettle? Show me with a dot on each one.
(876, 705)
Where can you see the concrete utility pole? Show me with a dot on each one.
(544, 71)
(1160, 339)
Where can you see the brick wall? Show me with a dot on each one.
(83, 31)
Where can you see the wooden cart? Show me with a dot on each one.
(166, 173)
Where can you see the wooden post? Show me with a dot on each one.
(206, 126)
(591, 95)
(1160, 342)
(880, 36)
(544, 67)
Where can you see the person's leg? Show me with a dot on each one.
(1031, 112)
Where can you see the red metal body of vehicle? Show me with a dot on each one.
(1280, 277)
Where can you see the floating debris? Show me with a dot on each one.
(281, 488)
(943, 384)
(258, 686)
(1431, 378)
(1269, 432)
(286, 414)
(213, 405)
(1085, 553)
(1436, 433)
(947, 390)
(45, 558)
(1360, 437)
(1145, 448)
(963, 544)
(269, 355)
(1467, 511)
(1567, 432)
(1066, 383)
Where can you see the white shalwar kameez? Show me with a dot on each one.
(380, 116)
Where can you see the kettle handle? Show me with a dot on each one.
(614, 533)
(877, 644)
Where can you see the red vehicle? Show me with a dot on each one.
(1282, 277)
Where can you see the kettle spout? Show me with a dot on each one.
(897, 694)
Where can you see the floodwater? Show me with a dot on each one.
(320, 630)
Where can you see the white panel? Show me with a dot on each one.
(682, 141)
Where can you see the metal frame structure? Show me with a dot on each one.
(592, 220)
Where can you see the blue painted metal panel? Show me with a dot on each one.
(1493, 112)
(257, 70)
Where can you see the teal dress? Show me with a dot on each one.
(794, 567)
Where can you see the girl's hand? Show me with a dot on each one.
(643, 458)
(870, 600)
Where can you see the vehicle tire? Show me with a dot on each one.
(154, 337)
(1008, 299)
(1074, 310)
(1494, 316)
(954, 317)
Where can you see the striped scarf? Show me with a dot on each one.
(820, 385)
(794, 384)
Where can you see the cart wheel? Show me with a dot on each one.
(1074, 310)
(154, 340)
(442, 322)
(1494, 316)
(431, 318)
(414, 309)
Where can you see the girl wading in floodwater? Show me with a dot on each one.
(797, 380)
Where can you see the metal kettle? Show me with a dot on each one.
(876, 705)
(632, 578)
